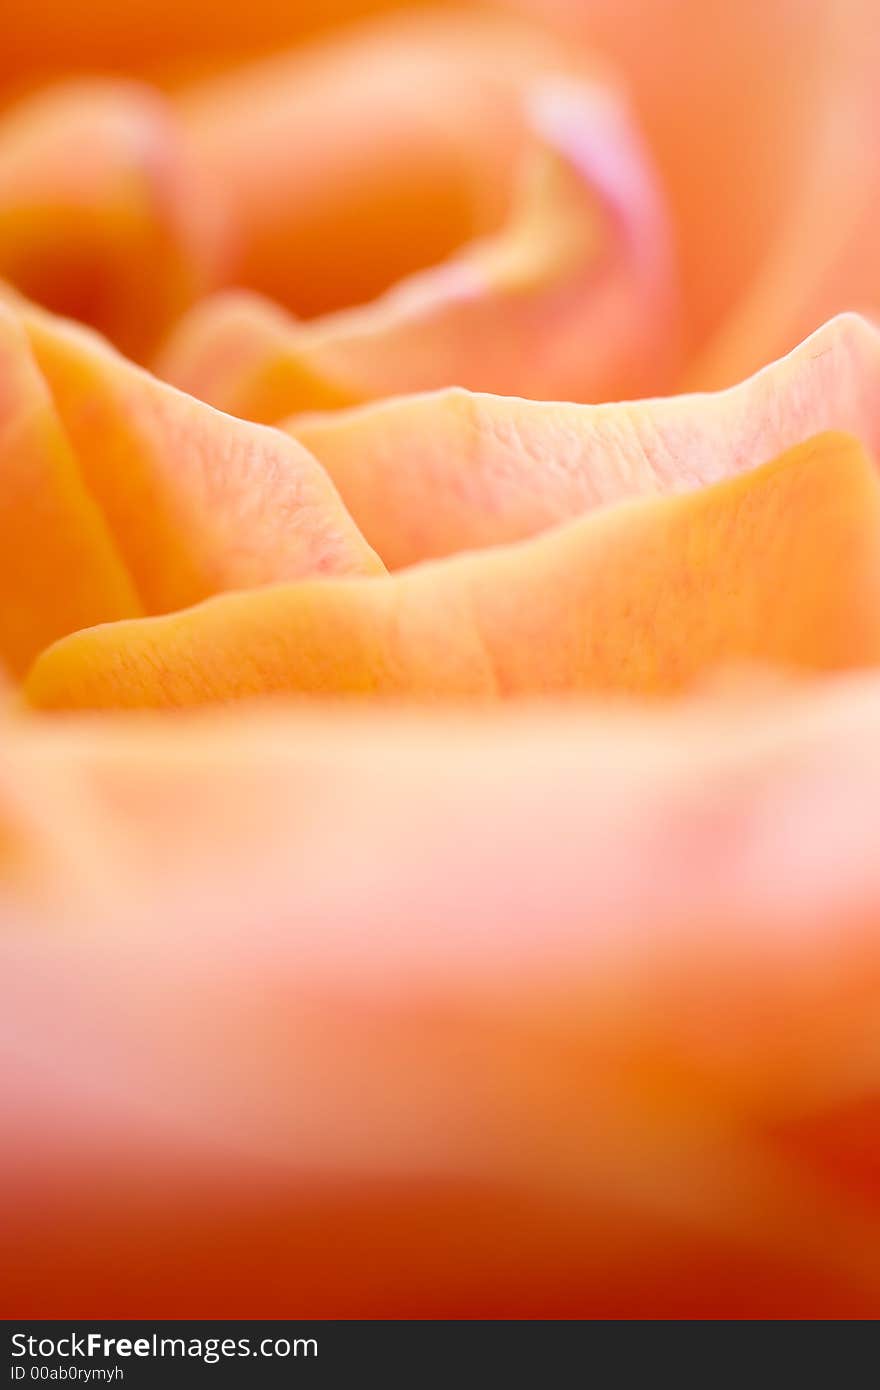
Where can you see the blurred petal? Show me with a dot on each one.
(122, 496)
(430, 475)
(341, 167)
(781, 565)
(60, 568)
(100, 211)
(535, 1022)
(166, 38)
(733, 99)
(823, 255)
(572, 298)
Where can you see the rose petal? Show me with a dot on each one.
(536, 1019)
(745, 107)
(420, 127)
(118, 205)
(60, 568)
(572, 298)
(100, 211)
(822, 256)
(430, 475)
(781, 565)
(165, 38)
(243, 354)
(123, 496)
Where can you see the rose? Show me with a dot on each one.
(479, 1013)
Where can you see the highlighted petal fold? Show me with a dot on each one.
(122, 496)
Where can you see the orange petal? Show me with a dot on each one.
(165, 38)
(420, 126)
(118, 205)
(572, 298)
(100, 211)
(822, 256)
(123, 496)
(430, 475)
(742, 105)
(429, 127)
(781, 565)
(242, 353)
(488, 1037)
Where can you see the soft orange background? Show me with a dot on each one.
(440, 617)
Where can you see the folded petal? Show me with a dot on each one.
(536, 1020)
(243, 354)
(164, 38)
(781, 565)
(572, 298)
(345, 165)
(430, 475)
(122, 496)
(821, 257)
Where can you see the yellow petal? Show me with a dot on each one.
(781, 565)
